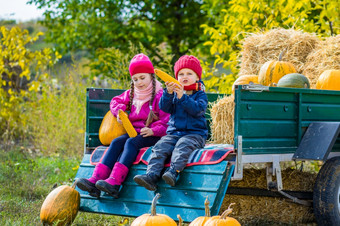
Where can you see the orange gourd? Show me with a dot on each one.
(272, 71)
(153, 218)
(223, 220)
(329, 79)
(60, 206)
(110, 129)
(200, 221)
(245, 80)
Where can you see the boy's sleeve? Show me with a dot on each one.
(119, 102)
(159, 127)
(165, 103)
(195, 107)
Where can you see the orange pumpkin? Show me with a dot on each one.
(223, 219)
(200, 221)
(153, 218)
(245, 79)
(110, 129)
(329, 79)
(60, 206)
(272, 71)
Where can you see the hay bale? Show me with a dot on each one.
(261, 47)
(256, 210)
(326, 56)
(222, 125)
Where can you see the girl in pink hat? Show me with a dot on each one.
(150, 122)
(187, 128)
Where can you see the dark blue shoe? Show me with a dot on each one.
(148, 181)
(170, 176)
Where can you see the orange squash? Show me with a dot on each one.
(153, 218)
(200, 221)
(223, 220)
(329, 79)
(272, 71)
(246, 79)
(110, 129)
(60, 206)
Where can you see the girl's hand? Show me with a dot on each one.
(179, 90)
(118, 119)
(170, 86)
(146, 132)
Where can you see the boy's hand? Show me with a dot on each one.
(170, 86)
(146, 132)
(179, 90)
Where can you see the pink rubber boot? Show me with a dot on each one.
(112, 184)
(100, 172)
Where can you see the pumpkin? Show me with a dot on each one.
(271, 71)
(294, 80)
(245, 79)
(153, 218)
(329, 79)
(110, 129)
(60, 206)
(199, 221)
(223, 219)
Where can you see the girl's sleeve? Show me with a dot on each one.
(119, 102)
(159, 127)
(166, 102)
(195, 107)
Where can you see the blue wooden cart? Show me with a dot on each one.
(271, 125)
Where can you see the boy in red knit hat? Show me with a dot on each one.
(187, 128)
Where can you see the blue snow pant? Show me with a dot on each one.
(178, 147)
(125, 149)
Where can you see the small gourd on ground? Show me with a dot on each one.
(223, 220)
(110, 129)
(271, 71)
(329, 79)
(294, 80)
(245, 80)
(60, 206)
(200, 221)
(154, 219)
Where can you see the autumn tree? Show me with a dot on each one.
(90, 25)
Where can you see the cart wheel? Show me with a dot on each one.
(326, 195)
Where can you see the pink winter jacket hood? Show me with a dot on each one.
(138, 120)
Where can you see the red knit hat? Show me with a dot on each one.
(190, 62)
(140, 64)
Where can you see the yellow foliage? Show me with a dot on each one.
(20, 69)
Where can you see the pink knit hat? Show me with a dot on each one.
(190, 62)
(140, 64)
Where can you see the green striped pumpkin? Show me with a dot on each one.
(294, 80)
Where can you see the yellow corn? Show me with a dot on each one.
(127, 124)
(165, 77)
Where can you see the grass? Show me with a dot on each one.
(26, 180)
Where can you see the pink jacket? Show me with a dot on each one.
(138, 120)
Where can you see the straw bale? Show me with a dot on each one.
(326, 56)
(222, 125)
(256, 210)
(261, 47)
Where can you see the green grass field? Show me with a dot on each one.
(26, 179)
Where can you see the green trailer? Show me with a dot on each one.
(271, 125)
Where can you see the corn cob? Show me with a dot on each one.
(165, 77)
(127, 124)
